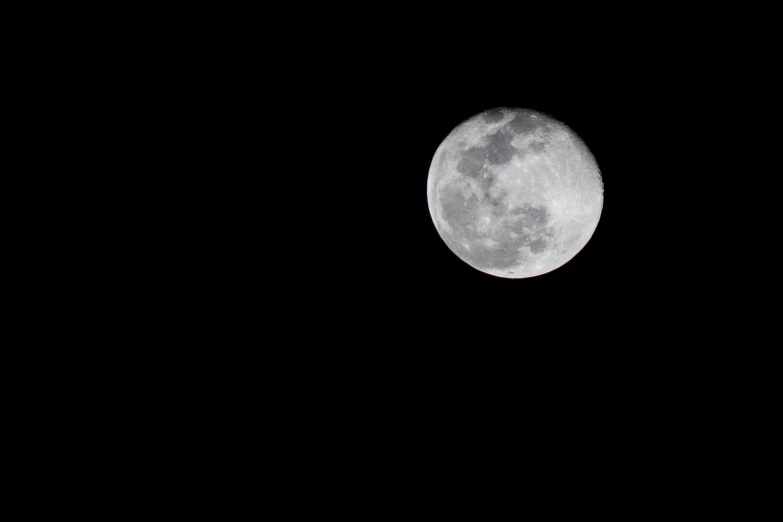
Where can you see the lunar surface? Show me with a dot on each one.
(514, 193)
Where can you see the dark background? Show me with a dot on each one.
(287, 267)
(273, 269)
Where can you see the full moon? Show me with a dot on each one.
(514, 193)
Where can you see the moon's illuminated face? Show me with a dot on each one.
(514, 193)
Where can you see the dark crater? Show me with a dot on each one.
(523, 123)
(533, 217)
(537, 246)
(504, 257)
(497, 201)
(497, 152)
(460, 212)
(471, 162)
(499, 149)
(486, 181)
(493, 116)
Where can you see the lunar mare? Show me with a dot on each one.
(514, 193)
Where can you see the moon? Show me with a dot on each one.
(514, 193)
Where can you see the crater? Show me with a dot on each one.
(523, 123)
(493, 116)
(471, 162)
(498, 202)
(537, 246)
(486, 181)
(499, 149)
(460, 213)
(503, 257)
(532, 217)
